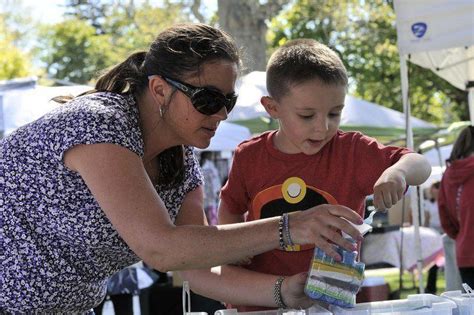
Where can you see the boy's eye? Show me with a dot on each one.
(306, 116)
(334, 114)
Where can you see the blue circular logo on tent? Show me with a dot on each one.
(419, 29)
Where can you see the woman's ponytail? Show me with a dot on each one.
(126, 77)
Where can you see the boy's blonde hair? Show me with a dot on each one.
(301, 60)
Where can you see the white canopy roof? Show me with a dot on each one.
(27, 101)
(19, 106)
(439, 35)
(356, 112)
(228, 136)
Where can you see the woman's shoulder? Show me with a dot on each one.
(101, 103)
(96, 111)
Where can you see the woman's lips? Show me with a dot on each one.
(210, 131)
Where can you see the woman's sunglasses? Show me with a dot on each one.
(207, 101)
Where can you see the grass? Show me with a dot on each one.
(409, 281)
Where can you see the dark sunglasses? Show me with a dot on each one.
(207, 101)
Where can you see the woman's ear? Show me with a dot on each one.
(157, 87)
(270, 105)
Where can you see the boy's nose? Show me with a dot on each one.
(322, 124)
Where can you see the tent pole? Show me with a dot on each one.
(413, 192)
(470, 100)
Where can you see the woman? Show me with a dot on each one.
(104, 180)
(456, 204)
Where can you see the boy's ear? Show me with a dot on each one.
(270, 105)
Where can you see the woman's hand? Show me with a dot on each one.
(389, 188)
(292, 291)
(322, 226)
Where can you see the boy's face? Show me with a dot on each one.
(309, 116)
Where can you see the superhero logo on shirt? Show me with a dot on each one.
(292, 195)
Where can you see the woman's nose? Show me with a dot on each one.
(222, 113)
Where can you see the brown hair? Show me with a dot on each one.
(302, 60)
(177, 52)
(464, 145)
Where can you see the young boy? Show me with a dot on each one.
(308, 161)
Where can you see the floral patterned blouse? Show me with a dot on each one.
(58, 245)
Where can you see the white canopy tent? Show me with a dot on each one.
(27, 102)
(228, 136)
(438, 35)
(356, 112)
(23, 101)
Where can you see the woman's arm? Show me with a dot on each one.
(117, 179)
(232, 284)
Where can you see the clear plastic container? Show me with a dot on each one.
(333, 282)
(416, 304)
(464, 302)
(313, 310)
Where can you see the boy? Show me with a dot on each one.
(308, 161)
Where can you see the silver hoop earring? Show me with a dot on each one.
(161, 112)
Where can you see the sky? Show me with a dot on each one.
(51, 11)
(47, 11)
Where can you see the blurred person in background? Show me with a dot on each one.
(212, 186)
(432, 221)
(456, 202)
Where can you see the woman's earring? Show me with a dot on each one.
(161, 112)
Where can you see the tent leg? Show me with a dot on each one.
(410, 145)
(470, 100)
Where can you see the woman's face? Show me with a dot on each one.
(191, 126)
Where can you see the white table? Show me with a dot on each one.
(385, 248)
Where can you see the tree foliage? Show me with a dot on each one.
(15, 60)
(95, 36)
(74, 52)
(364, 34)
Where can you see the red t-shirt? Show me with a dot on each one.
(264, 182)
(456, 208)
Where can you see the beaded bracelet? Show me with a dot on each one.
(286, 227)
(280, 233)
(277, 293)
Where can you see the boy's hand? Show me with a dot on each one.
(389, 188)
(292, 291)
(322, 226)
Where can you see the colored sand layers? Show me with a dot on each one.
(335, 282)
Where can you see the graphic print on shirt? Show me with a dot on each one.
(292, 195)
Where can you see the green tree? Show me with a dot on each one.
(15, 60)
(72, 51)
(77, 48)
(364, 34)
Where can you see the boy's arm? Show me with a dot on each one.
(227, 217)
(412, 169)
(415, 168)
(233, 284)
